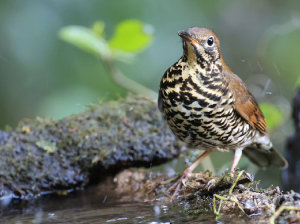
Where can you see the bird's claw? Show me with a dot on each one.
(211, 184)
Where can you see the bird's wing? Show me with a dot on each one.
(160, 94)
(245, 104)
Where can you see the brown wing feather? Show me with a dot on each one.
(245, 103)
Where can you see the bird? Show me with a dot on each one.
(209, 107)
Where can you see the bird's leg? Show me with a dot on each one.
(236, 159)
(177, 186)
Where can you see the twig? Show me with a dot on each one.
(127, 83)
(281, 209)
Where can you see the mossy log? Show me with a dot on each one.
(45, 155)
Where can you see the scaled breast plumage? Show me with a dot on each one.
(200, 109)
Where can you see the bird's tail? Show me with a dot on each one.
(264, 158)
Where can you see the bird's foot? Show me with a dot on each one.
(187, 173)
(211, 184)
(176, 188)
(178, 185)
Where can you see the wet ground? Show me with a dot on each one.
(96, 206)
(119, 199)
(90, 206)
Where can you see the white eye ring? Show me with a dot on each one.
(210, 41)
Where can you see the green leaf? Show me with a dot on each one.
(98, 28)
(85, 39)
(132, 36)
(273, 115)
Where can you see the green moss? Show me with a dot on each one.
(43, 155)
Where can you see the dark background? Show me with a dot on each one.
(40, 75)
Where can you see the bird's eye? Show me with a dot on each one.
(210, 41)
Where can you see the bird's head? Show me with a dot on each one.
(200, 44)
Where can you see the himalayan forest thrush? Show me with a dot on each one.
(209, 107)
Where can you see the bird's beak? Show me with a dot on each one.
(187, 37)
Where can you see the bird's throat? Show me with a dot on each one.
(201, 71)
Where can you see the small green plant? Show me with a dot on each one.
(130, 38)
(230, 197)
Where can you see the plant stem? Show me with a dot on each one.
(126, 82)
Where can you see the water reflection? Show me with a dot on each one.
(96, 204)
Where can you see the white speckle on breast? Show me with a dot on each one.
(182, 109)
(195, 104)
(223, 101)
(234, 131)
(207, 109)
(219, 109)
(246, 127)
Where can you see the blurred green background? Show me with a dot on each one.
(40, 75)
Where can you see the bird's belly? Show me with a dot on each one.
(207, 129)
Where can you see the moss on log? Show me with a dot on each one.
(43, 155)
